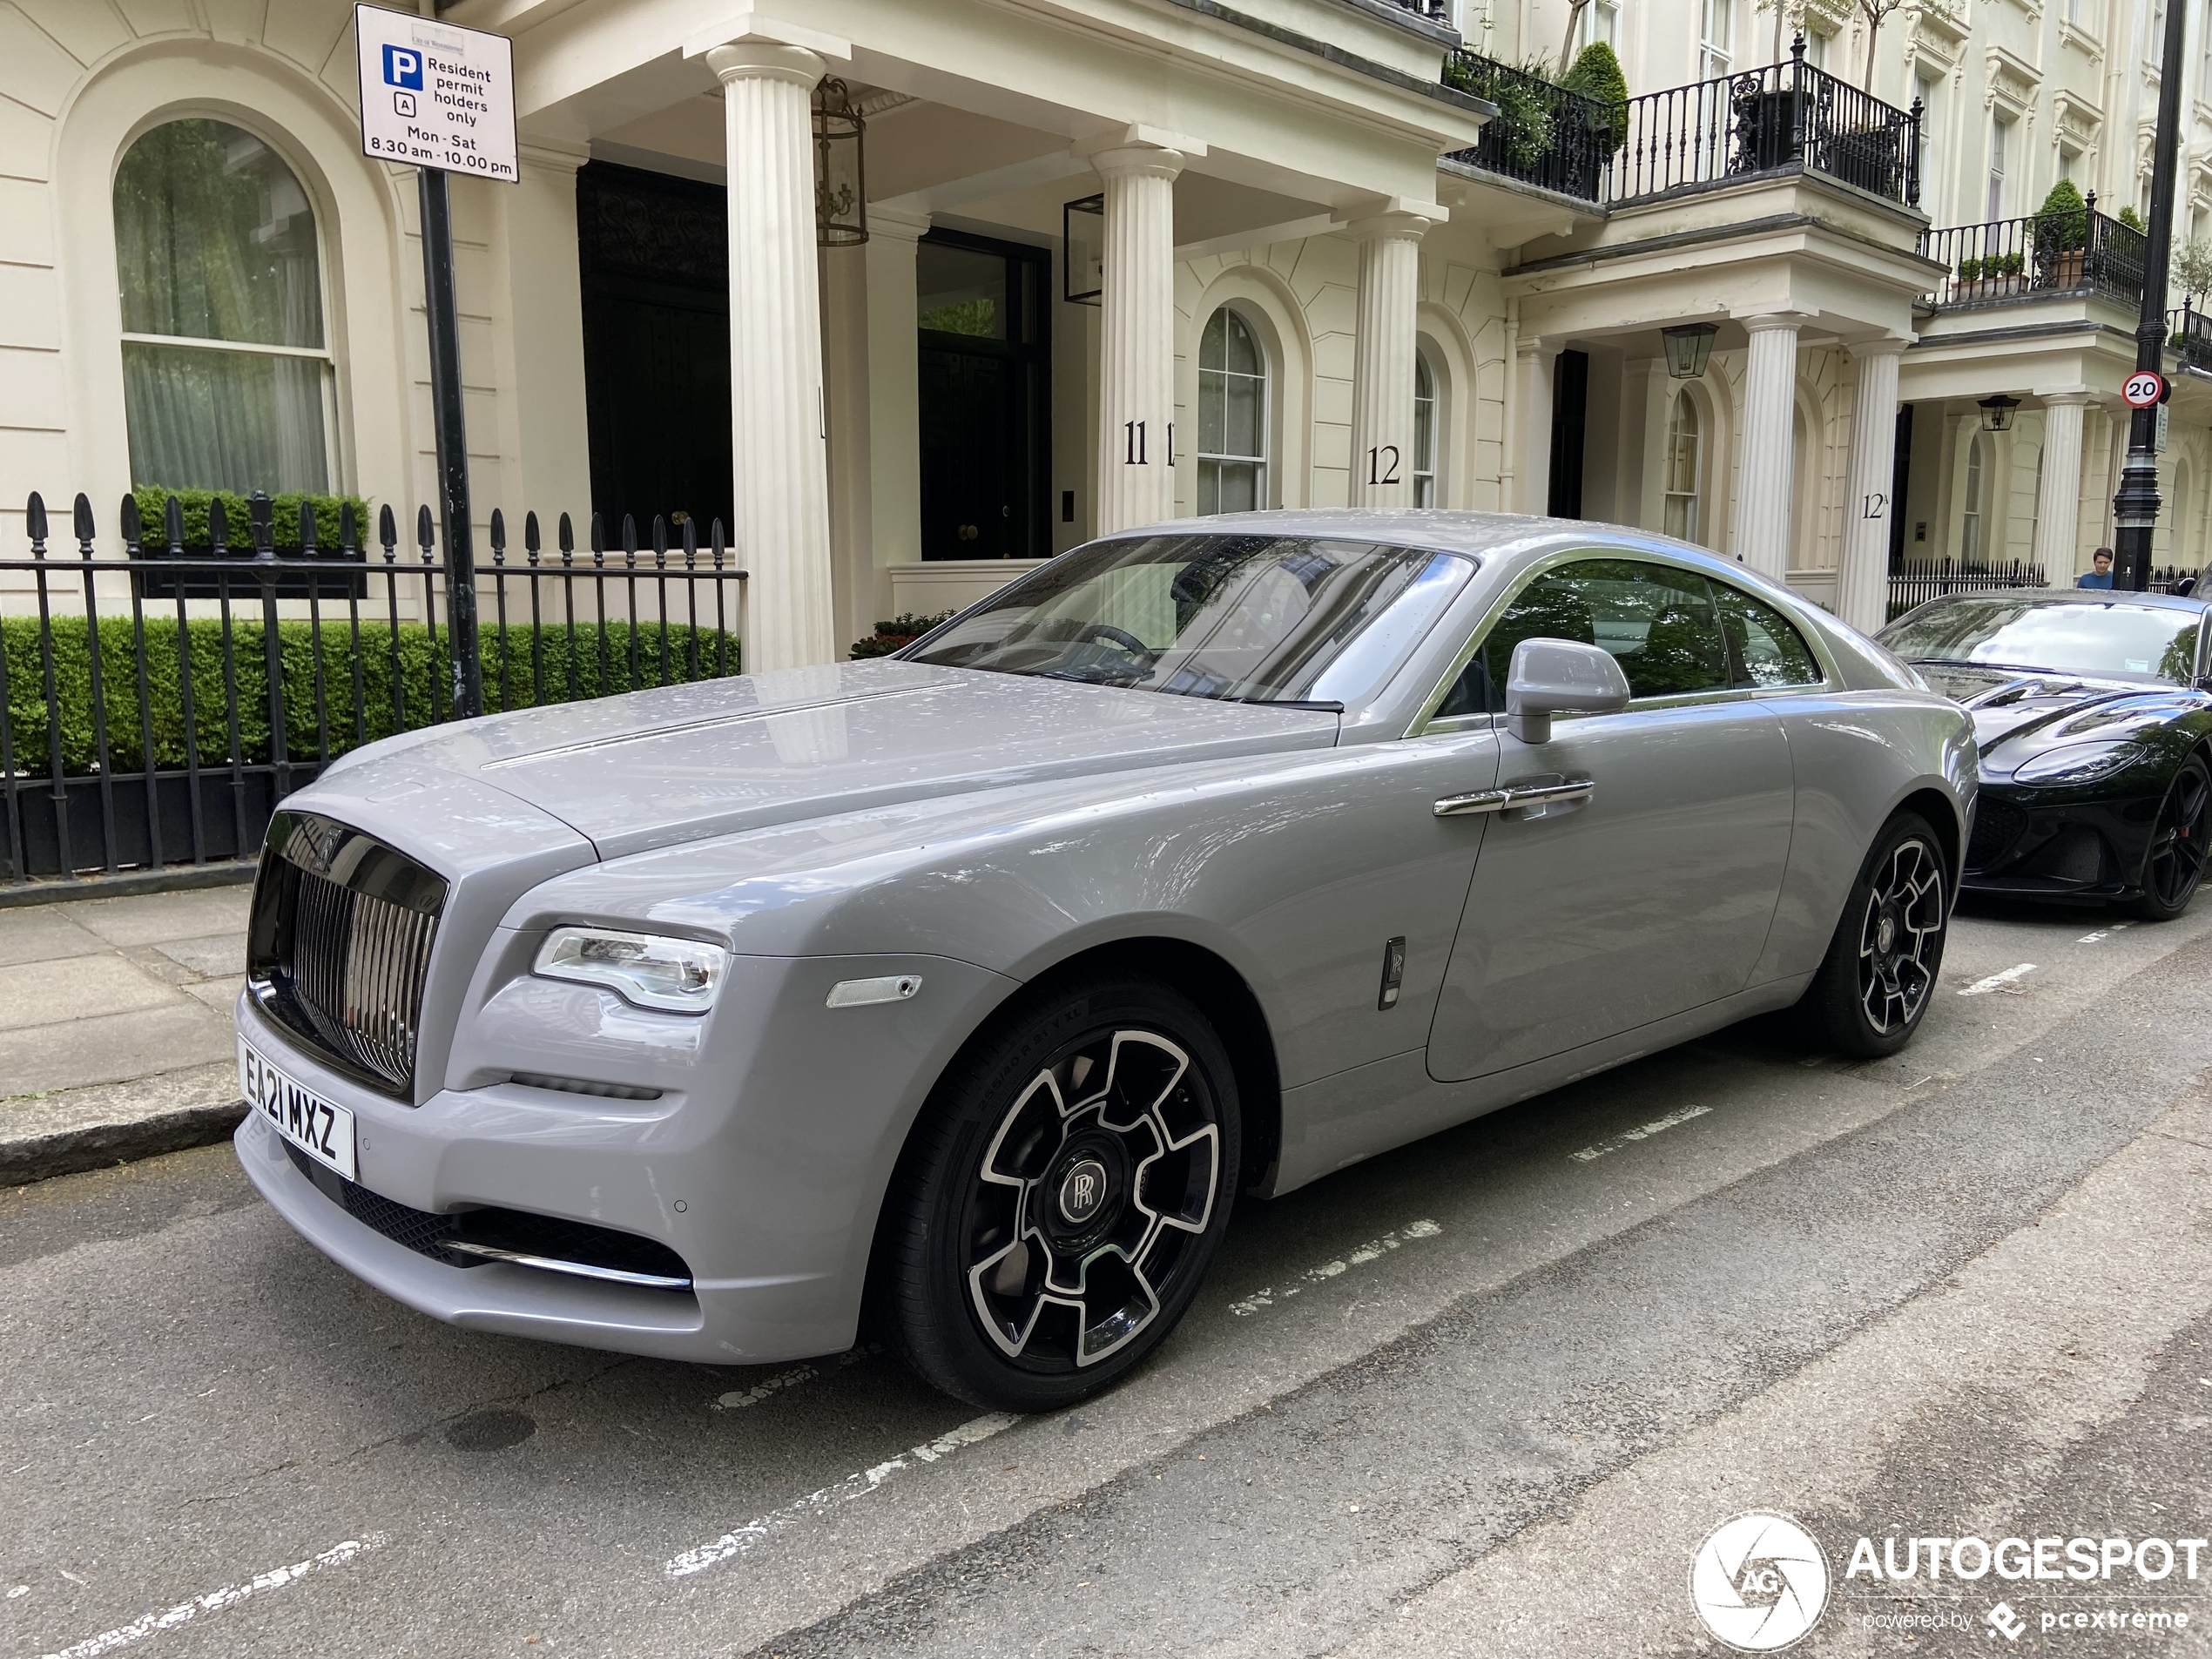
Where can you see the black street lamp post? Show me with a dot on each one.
(2135, 507)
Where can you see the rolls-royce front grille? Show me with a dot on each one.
(339, 943)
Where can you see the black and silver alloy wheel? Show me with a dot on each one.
(1878, 977)
(1900, 938)
(1102, 1172)
(1063, 1196)
(2175, 864)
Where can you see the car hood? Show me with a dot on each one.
(2020, 713)
(652, 768)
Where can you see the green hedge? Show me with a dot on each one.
(419, 664)
(237, 518)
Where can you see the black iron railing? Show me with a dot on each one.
(1915, 583)
(139, 731)
(1543, 134)
(2037, 255)
(2172, 578)
(1787, 117)
(2190, 332)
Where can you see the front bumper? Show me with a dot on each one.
(761, 1165)
(2059, 844)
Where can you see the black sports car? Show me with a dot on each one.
(2094, 713)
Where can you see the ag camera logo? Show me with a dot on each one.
(403, 67)
(1759, 1582)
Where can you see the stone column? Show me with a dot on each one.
(893, 401)
(2057, 499)
(1382, 359)
(1533, 394)
(1137, 337)
(1862, 586)
(778, 413)
(1770, 421)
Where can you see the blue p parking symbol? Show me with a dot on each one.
(403, 67)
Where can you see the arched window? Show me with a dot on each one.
(1803, 483)
(1685, 445)
(227, 375)
(1974, 519)
(1232, 416)
(1427, 412)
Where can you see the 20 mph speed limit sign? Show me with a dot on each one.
(2144, 390)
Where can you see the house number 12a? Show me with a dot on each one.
(1874, 505)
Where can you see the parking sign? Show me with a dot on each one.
(436, 95)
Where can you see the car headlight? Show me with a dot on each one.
(653, 971)
(2078, 763)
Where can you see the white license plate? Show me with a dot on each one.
(322, 1130)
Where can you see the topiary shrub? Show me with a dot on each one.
(238, 512)
(2131, 219)
(2061, 223)
(1596, 75)
(895, 633)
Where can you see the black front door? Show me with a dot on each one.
(986, 457)
(653, 254)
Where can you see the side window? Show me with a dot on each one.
(1767, 648)
(1657, 621)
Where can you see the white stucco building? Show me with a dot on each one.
(1125, 259)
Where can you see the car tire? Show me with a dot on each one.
(1874, 985)
(2174, 865)
(1062, 1195)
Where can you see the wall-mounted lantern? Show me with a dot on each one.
(1996, 413)
(1082, 263)
(840, 180)
(1687, 347)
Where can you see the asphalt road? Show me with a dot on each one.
(1485, 1395)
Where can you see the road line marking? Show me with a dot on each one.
(744, 1538)
(2091, 939)
(1589, 1154)
(1373, 1249)
(1997, 981)
(215, 1600)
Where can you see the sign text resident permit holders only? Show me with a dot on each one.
(436, 95)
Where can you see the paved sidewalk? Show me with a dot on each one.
(115, 1028)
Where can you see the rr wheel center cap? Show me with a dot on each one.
(1082, 1192)
(1885, 931)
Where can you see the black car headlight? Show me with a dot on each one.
(651, 970)
(2079, 763)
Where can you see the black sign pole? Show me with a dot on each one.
(2135, 509)
(453, 445)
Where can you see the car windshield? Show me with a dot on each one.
(2113, 638)
(1249, 618)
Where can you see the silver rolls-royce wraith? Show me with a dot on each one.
(978, 982)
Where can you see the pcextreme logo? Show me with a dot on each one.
(1759, 1581)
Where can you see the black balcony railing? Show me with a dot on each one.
(2038, 255)
(1543, 134)
(141, 726)
(2190, 335)
(1787, 117)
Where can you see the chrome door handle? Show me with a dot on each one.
(1504, 800)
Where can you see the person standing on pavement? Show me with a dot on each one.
(2100, 575)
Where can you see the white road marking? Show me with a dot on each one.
(1997, 981)
(215, 1600)
(744, 1538)
(1628, 1136)
(1373, 1249)
(2105, 932)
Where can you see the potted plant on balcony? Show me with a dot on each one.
(1518, 136)
(1597, 76)
(2061, 237)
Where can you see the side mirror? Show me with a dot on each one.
(1552, 677)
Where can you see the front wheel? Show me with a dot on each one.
(1063, 1196)
(1875, 984)
(2175, 864)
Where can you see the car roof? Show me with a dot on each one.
(2082, 597)
(1437, 528)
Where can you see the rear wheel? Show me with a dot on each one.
(2175, 865)
(1874, 985)
(1058, 1206)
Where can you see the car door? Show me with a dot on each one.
(1654, 893)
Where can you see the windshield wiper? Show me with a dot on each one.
(1313, 705)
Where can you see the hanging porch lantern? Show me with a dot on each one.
(1996, 413)
(1688, 346)
(841, 182)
